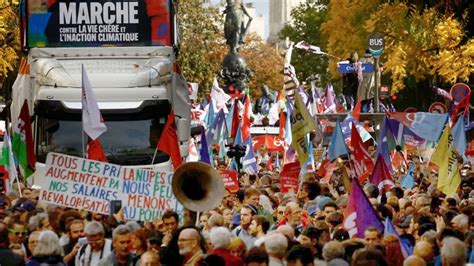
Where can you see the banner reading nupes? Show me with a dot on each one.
(89, 185)
(87, 23)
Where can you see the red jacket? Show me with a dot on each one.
(230, 260)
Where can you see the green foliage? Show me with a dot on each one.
(202, 44)
(307, 19)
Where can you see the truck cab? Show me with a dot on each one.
(134, 79)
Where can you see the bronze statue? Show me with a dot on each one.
(235, 28)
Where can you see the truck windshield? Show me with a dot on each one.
(126, 142)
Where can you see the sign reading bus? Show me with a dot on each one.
(93, 23)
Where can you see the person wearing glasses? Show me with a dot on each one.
(94, 247)
(7, 256)
(17, 232)
(189, 243)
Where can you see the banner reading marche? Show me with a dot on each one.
(90, 185)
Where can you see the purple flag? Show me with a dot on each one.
(360, 214)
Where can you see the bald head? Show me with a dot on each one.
(150, 258)
(414, 261)
(424, 250)
(189, 241)
(190, 233)
(286, 230)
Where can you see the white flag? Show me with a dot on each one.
(92, 120)
(219, 97)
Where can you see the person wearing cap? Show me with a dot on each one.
(246, 214)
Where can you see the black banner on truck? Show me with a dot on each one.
(93, 23)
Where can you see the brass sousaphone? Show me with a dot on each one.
(198, 187)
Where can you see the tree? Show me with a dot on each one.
(423, 44)
(202, 44)
(9, 38)
(306, 21)
(265, 62)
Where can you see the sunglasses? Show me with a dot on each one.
(17, 233)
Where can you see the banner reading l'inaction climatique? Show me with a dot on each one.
(93, 23)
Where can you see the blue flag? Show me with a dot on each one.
(249, 163)
(425, 125)
(383, 144)
(459, 135)
(408, 181)
(337, 145)
(214, 132)
(204, 151)
(210, 115)
(390, 229)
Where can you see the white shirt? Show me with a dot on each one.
(83, 260)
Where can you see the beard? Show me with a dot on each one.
(185, 251)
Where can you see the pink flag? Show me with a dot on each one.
(328, 100)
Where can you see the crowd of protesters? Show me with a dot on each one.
(258, 225)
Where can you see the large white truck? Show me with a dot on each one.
(128, 49)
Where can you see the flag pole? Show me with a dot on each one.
(82, 117)
(154, 156)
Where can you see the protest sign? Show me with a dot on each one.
(90, 185)
(231, 181)
(289, 177)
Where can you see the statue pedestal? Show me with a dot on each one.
(235, 73)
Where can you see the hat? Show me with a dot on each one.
(323, 201)
(26, 205)
(236, 219)
(252, 208)
(312, 210)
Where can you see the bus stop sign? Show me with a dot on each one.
(376, 43)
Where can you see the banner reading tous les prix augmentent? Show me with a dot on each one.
(90, 185)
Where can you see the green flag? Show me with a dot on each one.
(22, 143)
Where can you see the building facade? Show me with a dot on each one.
(280, 14)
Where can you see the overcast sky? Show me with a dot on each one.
(262, 9)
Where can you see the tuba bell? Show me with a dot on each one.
(198, 186)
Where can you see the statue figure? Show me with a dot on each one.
(235, 28)
(263, 104)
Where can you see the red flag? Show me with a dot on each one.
(246, 119)
(281, 132)
(361, 162)
(464, 103)
(235, 119)
(381, 176)
(169, 141)
(26, 129)
(356, 110)
(95, 150)
(270, 164)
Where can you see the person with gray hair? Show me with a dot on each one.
(275, 245)
(460, 222)
(94, 246)
(215, 220)
(220, 239)
(39, 222)
(333, 251)
(121, 239)
(47, 250)
(453, 252)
